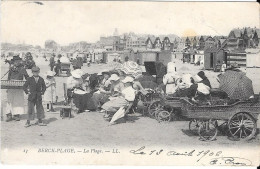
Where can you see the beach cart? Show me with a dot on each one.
(165, 108)
(239, 118)
(65, 67)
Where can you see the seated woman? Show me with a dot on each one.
(184, 86)
(105, 90)
(201, 88)
(123, 97)
(74, 81)
(81, 98)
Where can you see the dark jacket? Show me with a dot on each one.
(36, 89)
(18, 74)
(206, 81)
(52, 61)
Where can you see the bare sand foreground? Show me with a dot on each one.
(90, 129)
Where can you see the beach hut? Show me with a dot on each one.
(166, 56)
(199, 57)
(147, 56)
(236, 58)
(213, 56)
(178, 55)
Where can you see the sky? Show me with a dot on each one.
(67, 22)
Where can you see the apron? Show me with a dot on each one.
(15, 101)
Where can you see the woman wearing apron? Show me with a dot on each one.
(15, 97)
(170, 78)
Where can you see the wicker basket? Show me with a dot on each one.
(12, 84)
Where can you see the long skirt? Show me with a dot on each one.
(99, 99)
(15, 101)
(114, 104)
(84, 101)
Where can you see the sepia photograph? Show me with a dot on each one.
(130, 83)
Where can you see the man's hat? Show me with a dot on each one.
(35, 69)
(16, 57)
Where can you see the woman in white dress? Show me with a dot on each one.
(170, 78)
(50, 93)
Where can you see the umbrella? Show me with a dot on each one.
(236, 84)
(119, 114)
(132, 68)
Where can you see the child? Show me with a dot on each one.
(50, 94)
(37, 87)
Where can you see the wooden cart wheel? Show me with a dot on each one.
(242, 126)
(208, 130)
(153, 107)
(164, 116)
(194, 126)
(156, 114)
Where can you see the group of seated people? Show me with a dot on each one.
(106, 91)
(196, 88)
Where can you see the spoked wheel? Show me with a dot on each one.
(164, 116)
(242, 126)
(155, 106)
(194, 126)
(208, 130)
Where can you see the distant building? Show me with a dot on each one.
(149, 43)
(167, 44)
(243, 38)
(133, 41)
(157, 43)
(209, 42)
(119, 43)
(187, 42)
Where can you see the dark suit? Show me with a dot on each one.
(35, 91)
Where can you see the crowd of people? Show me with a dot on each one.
(107, 91)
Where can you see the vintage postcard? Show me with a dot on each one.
(130, 83)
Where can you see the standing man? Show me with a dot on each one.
(52, 62)
(35, 88)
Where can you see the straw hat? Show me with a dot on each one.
(77, 73)
(114, 77)
(128, 79)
